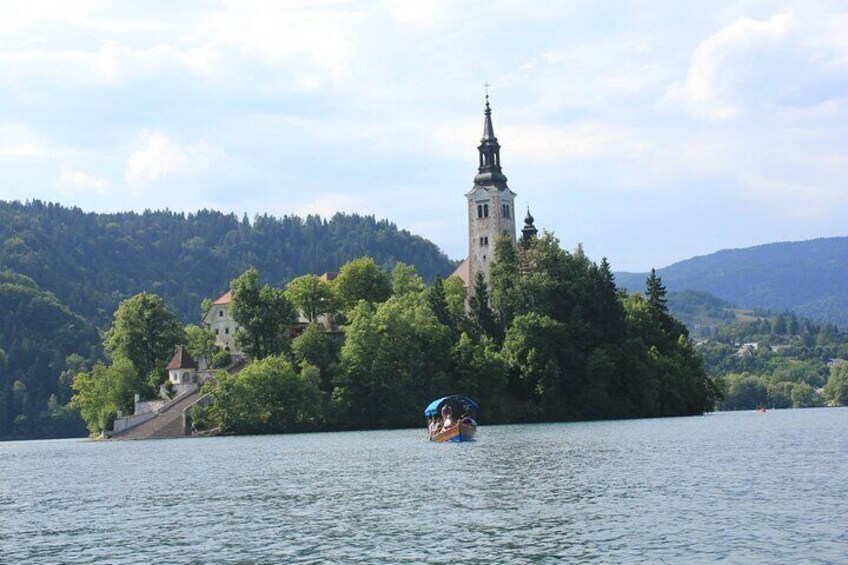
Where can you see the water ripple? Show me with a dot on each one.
(730, 487)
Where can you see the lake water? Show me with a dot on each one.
(737, 487)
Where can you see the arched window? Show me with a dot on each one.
(479, 211)
(485, 210)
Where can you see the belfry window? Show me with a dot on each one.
(479, 211)
(485, 210)
(505, 210)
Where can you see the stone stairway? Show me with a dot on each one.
(166, 424)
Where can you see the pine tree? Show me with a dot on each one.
(504, 278)
(481, 312)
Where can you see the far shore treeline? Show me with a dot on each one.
(550, 339)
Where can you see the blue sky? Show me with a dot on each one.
(649, 131)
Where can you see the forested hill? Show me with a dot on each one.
(92, 261)
(807, 277)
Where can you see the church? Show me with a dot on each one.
(491, 208)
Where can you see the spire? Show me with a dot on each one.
(529, 231)
(489, 172)
(488, 128)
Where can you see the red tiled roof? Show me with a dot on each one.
(224, 298)
(463, 271)
(182, 360)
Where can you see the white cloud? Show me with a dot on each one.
(72, 182)
(18, 141)
(159, 157)
(415, 13)
(315, 35)
(711, 79)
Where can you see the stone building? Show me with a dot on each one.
(491, 207)
(219, 320)
(182, 370)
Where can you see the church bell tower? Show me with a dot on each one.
(491, 204)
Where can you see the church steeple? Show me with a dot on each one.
(488, 128)
(529, 231)
(489, 173)
(491, 205)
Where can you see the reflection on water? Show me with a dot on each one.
(741, 487)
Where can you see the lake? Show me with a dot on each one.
(736, 487)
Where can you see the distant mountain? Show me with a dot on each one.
(807, 277)
(90, 261)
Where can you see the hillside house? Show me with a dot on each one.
(219, 320)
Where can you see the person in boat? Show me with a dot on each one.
(433, 428)
(447, 416)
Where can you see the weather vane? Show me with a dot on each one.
(486, 85)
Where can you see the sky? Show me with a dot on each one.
(648, 131)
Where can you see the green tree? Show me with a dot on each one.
(456, 296)
(145, 333)
(311, 295)
(405, 279)
(268, 396)
(504, 277)
(804, 396)
(393, 362)
(200, 343)
(534, 346)
(481, 311)
(478, 371)
(314, 347)
(263, 314)
(362, 279)
(836, 389)
(438, 302)
(103, 391)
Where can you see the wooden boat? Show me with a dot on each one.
(464, 430)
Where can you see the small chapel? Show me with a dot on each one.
(491, 208)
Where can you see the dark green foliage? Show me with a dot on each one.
(700, 310)
(146, 333)
(263, 314)
(480, 372)
(480, 309)
(221, 359)
(362, 279)
(578, 352)
(92, 261)
(40, 338)
(311, 295)
(836, 389)
(269, 396)
(315, 347)
(393, 363)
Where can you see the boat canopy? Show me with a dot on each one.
(434, 406)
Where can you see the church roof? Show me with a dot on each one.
(182, 360)
(463, 271)
(225, 298)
